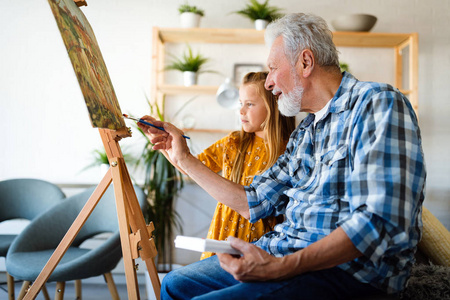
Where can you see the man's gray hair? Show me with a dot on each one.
(304, 31)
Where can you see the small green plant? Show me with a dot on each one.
(100, 158)
(190, 8)
(344, 67)
(188, 62)
(260, 11)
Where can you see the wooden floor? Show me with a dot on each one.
(90, 291)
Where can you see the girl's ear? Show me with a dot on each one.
(306, 63)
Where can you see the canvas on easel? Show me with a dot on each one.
(88, 64)
(105, 114)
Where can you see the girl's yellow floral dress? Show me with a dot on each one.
(220, 157)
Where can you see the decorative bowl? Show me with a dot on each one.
(354, 22)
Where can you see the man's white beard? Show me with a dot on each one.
(290, 104)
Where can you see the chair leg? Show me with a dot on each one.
(60, 287)
(25, 286)
(111, 286)
(45, 292)
(78, 289)
(10, 281)
(23, 291)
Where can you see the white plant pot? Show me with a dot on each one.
(190, 20)
(261, 24)
(189, 78)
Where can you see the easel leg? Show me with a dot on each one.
(127, 200)
(129, 215)
(130, 271)
(69, 237)
(147, 249)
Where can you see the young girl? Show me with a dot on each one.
(241, 155)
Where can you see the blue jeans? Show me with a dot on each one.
(205, 279)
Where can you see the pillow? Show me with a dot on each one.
(435, 242)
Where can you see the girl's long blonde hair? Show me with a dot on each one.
(277, 128)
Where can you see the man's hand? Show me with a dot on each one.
(258, 265)
(171, 140)
(254, 265)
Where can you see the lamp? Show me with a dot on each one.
(228, 95)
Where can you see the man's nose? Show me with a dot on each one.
(269, 84)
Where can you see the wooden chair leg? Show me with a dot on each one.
(25, 286)
(10, 281)
(111, 286)
(59, 293)
(78, 289)
(45, 292)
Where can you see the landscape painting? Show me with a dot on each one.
(88, 64)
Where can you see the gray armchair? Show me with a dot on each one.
(24, 199)
(33, 247)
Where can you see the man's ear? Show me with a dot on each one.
(306, 62)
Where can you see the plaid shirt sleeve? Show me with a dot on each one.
(266, 195)
(385, 186)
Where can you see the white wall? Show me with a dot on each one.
(46, 130)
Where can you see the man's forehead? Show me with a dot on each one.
(276, 50)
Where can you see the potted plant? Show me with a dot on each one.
(191, 65)
(162, 184)
(190, 15)
(261, 13)
(100, 159)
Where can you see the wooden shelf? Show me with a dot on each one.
(369, 39)
(211, 35)
(396, 41)
(253, 36)
(194, 89)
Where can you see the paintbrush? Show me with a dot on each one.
(147, 123)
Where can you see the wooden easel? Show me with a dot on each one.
(137, 242)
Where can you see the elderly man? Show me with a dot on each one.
(350, 185)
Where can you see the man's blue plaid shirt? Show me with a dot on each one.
(361, 168)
